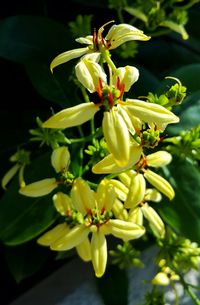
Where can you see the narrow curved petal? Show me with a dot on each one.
(119, 34)
(124, 229)
(9, 175)
(68, 55)
(151, 113)
(60, 159)
(99, 253)
(72, 238)
(51, 236)
(72, 116)
(136, 191)
(159, 158)
(159, 183)
(84, 250)
(39, 188)
(117, 136)
(126, 177)
(108, 164)
(154, 219)
(83, 197)
(62, 203)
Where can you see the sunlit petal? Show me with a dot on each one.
(99, 253)
(39, 188)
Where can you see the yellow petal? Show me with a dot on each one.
(66, 56)
(108, 164)
(154, 219)
(160, 183)
(62, 203)
(39, 188)
(152, 195)
(105, 195)
(120, 189)
(85, 40)
(119, 211)
(151, 113)
(82, 196)
(161, 278)
(117, 136)
(99, 253)
(60, 159)
(118, 34)
(159, 158)
(128, 75)
(9, 175)
(124, 229)
(89, 73)
(71, 239)
(73, 116)
(84, 250)
(127, 177)
(136, 216)
(52, 235)
(136, 191)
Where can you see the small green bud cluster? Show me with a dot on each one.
(125, 256)
(49, 137)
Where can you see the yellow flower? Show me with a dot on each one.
(95, 208)
(63, 205)
(60, 159)
(117, 35)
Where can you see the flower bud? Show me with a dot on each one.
(159, 159)
(136, 191)
(160, 183)
(60, 159)
(154, 219)
(62, 203)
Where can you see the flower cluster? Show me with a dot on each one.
(118, 201)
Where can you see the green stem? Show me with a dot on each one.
(176, 301)
(106, 56)
(189, 290)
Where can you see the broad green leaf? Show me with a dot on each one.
(23, 218)
(183, 213)
(109, 285)
(24, 38)
(188, 75)
(25, 260)
(188, 113)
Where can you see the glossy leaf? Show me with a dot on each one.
(183, 213)
(23, 218)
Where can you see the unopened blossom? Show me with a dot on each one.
(60, 159)
(97, 220)
(165, 276)
(96, 44)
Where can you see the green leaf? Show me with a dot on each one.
(23, 218)
(188, 75)
(136, 13)
(183, 213)
(188, 113)
(26, 38)
(25, 260)
(113, 281)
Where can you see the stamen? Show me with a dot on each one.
(122, 90)
(94, 39)
(110, 98)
